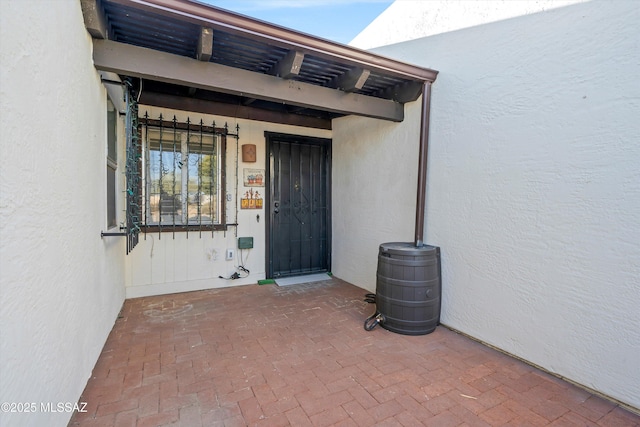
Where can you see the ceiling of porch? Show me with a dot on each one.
(191, 56)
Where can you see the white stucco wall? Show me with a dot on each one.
(164, 264)
(412, 19)
(61, 285)
(375, 173)
(533, 188)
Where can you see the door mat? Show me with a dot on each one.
(286, 281)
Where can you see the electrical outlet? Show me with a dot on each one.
(230, 254)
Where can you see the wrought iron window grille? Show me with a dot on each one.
(184, 179)
(131, 228)
(204, 145)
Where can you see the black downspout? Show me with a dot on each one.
(422, 164)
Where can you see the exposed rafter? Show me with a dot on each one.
(289, 66)
(403, 93)
(205, 44)
(165, 67)
(94, 19)
(352, 80)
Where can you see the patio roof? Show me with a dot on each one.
(192, 56)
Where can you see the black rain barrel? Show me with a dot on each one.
(408, 288)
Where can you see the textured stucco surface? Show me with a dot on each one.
(375, 173)
(533, 188)
(61, 286)
(412, 19)
(167, 264)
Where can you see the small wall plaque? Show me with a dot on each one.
(253, 178)
(251, 200)
(249, 153)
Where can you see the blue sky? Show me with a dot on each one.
(337, 20)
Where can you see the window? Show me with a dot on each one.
(183, 176)
(112, 164)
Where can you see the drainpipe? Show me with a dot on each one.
(422, 164)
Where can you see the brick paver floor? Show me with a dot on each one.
(298, 355)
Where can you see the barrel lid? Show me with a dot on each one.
(408, 249)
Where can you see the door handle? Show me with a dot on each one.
(276, 207)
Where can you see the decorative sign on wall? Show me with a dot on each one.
(251, 200)
(254, 177)
(249, 153)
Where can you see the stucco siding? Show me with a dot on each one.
(61, 284)
(533, 188)
(375, 173)
(413, 19)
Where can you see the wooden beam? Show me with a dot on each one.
(295, 110)
(115, 89)
(289, 66)
(203, 14)
(94, 19)
(230, 110)
(405, 92)
(205, 44)
(352, 80)
(165, 67)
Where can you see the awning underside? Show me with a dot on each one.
(192, 56)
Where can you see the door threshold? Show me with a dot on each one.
(296, 280)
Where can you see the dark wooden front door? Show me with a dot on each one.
(298, 203)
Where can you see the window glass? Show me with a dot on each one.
(182, 177)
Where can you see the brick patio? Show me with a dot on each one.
(298, 355)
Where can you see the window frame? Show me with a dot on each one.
(220, 134)
(111, 175)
